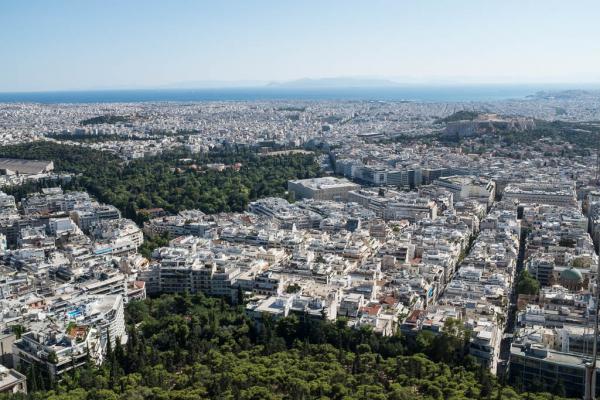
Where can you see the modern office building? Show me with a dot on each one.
(536, 368)
(326, 188)
(469, 188)
(556, 193)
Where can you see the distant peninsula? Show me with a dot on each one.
(339, 82)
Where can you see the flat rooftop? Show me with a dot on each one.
(9, 377)
(570, 359)
(325, 183)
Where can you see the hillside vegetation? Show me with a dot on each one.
(169, 182)
(462, 115)
(105, 119)
(193, 347)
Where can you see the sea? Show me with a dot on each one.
(416, 93)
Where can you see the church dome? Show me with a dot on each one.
(571, 275)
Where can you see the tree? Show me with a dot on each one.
(164, 181)
(137, 311)
(52, 357)
(18, 330)
(240, 295)
(293, 288)
(204, 348)
(527, 284)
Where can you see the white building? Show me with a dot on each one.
(326, 188)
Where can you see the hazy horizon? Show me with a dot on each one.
(110, 45)
(322, 84)
(319, 84)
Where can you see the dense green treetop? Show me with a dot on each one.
(105, 119)
(462, 115)
(167, 182)
(194, 347)
(527, 284)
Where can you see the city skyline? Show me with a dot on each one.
(109, 45)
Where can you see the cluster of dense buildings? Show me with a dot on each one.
(409, 167)
(68, 266)
(381, 257)
(478, 292)
(554, 334)
(414, 238)
(411, 261)
(135, 130)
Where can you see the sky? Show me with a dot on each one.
(101, 44)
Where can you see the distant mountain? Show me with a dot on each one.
(565, 94)
(307, 83)
(213, 84)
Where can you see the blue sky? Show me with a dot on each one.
(87, 44)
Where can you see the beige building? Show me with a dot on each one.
(326, 188)
(12, 381)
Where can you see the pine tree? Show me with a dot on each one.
(119, 353)
(240, 295)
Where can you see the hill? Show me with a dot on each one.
(106, 119)
(462, 115)
(341, 82)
